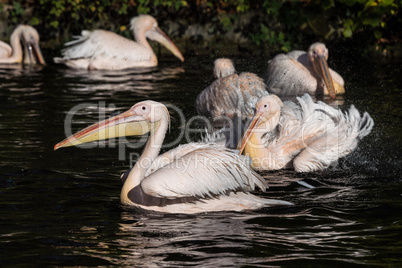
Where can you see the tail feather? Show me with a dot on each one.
(344, 130)
(366, 125)
(78, 39)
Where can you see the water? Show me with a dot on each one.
(62, 208)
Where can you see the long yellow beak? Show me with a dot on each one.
(329, 82)
(251, 127)
(33, 51)
(158, 35)
(38, 54)
(125, 124)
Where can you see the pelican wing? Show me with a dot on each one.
(252, 88)
(206, 171)
(340, 141)
(105, 44)
(302, 120)
(220, 98)
(287, 76)
(178, 152)
(319, 132)
(301, 123)
(231, 95)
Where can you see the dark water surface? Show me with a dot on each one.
(62, 208)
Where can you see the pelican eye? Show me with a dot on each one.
(144, 108)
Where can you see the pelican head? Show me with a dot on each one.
(318, 55)
(223, 67)
(29, 36)
(144, 117)
(149, 25)
(266, 118)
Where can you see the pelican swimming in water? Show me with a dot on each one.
(105, 50)
(307, 136)
(230, 94)
(192, 178)
(300, 72)
(29, 37)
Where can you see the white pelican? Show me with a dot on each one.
(230, 94)
(106, 50)
(192, 178)
(300, 72)
(29, 37)
(307, 136)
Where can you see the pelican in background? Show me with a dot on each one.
(192, 178)
(307, 136)
(105, 50)
(300, 72)
(230, 94)
(29, 37)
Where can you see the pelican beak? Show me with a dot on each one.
(33, 51)
(37, 53)
(126, 124)
(158, 35)
(249, 131)
(329, 82)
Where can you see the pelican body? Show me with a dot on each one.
(29, 38)
(306, 136)
(300, 72)
(105, 50)
(230, 94)
(192, 178)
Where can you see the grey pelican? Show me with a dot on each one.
(100, 49)
(192, 178)
(230, 94)
(300, 72)
(307, 136)
(29, 37)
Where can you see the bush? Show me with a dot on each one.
(280, 23)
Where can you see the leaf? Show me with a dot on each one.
(54, 24)
(18, 8)
(34, 21)
(348, 23)
(327, 4)
(370, 3)
(386, 2)
(372, 21)
(377, 34)
(347, 32)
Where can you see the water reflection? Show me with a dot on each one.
(217, 240)
(137, 80)
(13, 70)
(155, 240)
(62, 208)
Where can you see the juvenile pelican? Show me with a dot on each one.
(307, 136)
(29, 37)
(192, 178)
(230, 94)
(300, 72)
(106, 50)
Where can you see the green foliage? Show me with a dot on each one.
(240, 5)
(272, 7)
(277, 23)
(271, 38)
(368, 15)
(16, 12)
(145, 6)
